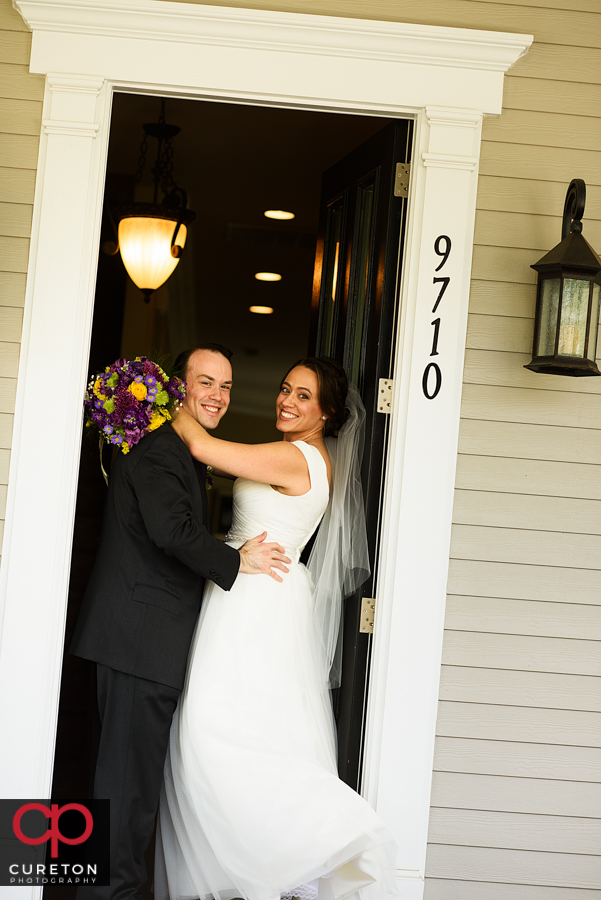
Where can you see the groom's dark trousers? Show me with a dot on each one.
(136, 623)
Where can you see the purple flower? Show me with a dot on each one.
(130, 418)
(151, 368)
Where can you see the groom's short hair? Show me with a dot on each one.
(181, 363)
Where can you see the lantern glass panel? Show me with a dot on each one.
(574, 313)
(594, 324)
(549, 303)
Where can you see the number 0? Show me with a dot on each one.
(426, 378)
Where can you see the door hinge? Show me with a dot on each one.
(385, 395)
(401, 179)
(368, 611)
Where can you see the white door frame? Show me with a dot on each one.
(445, 78)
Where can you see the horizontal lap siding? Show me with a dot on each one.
(516, 800)
(21, 97)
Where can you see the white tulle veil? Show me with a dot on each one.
(339, 561)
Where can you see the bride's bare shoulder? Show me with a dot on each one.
(323, 450)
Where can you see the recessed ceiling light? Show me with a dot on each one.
(262, 310)
(268, 276)
(278, 214)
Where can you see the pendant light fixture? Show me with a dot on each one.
(152, 236)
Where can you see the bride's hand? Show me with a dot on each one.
(185, 425)
(194, 437)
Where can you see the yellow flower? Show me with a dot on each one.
(156, 421)
(125, 447)
(167, 414)
(138, 390)
(96, 389)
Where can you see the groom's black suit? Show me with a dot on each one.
(136, 623)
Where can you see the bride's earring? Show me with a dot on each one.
(324, 418)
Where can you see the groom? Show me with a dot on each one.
(141, 607)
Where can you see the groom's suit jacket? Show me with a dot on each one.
(143, 598)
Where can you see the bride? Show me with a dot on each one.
(252, 806)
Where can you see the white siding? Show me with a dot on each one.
(516, 796)
(20, 122)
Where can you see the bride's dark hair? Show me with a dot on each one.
(332, 385)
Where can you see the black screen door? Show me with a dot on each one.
(357, 268)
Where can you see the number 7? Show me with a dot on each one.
(445, 284)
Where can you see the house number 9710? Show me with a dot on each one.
(432, 377)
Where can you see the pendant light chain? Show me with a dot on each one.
(166, 174)
(141, 159)
(162, 171)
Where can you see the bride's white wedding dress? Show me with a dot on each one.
(252, 806)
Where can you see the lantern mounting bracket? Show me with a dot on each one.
(573, 209)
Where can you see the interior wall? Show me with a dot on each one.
(21, 96)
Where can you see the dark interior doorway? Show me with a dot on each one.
(235, 162)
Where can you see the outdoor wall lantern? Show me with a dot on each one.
(151, 236)
(567, 302)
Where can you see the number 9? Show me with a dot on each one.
(444, 253)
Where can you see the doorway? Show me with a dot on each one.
(235, 162)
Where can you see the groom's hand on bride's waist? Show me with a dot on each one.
(259, 558)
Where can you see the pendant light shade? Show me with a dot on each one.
(150, 249)
(152, 236)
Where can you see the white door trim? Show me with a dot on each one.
(447, 79)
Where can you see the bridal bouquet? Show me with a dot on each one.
(130, 399)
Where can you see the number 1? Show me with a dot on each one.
(436, 324)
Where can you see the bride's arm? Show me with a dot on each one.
(279, 463)
(221, 473)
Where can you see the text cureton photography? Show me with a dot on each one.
(59, 842)
(66, 873)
